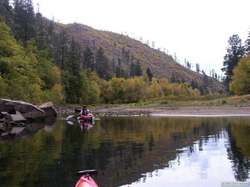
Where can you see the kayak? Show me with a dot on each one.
(90, 118)
(86, 180)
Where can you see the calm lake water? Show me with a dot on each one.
(159, 152)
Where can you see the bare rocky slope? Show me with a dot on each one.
(116, 46)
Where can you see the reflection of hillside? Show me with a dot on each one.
(121, 149)
(151, 146)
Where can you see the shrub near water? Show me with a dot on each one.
(121, 90)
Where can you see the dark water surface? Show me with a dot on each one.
(197, 152)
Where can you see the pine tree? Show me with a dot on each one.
(205, 82)
(41, 33)
(72, 75)
(103, 68)
(119, 71)
(247, 45)
(24, 20)
(138, 70)
(132, 70)
(149, 74)
(74, 58)
(89, 61)
(135, 69)
(6, 12)
(198, 68)
(60, 50)
(235, 51)
(188, 64)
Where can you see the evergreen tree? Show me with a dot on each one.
(89, 60)
(194, 84)
(132, 70)
(52, 39)
(198, 68)
(103, 68)
(6, 12)
(61, 48)
(24, 20)
(71, 83)
(138, 70)
(119, 71)
(72, 75)
(235, 51)
(205, 82)
(74, 58)
(135, 69)
(247, 45)
(149, 74)
(41, 33)
(188, 65)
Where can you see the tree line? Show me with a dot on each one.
(236, 65)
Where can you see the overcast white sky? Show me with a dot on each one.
(194, 29)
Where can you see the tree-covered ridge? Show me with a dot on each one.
(41, 60)
(122, 51)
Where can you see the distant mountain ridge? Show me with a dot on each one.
(121, 49)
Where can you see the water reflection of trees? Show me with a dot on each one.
(157, 143)
(120, 148)
(239, 148)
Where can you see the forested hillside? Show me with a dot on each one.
(123, 51)
(43, 60)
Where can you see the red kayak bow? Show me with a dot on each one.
(86, 180)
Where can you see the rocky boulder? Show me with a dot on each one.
(49, 109)
(16, 115)
(28, 110)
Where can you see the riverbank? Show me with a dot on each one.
(192, 111)
(228, 106)
(180, 111)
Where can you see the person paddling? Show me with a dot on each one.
(84, 110)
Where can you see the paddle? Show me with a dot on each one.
(88, 172)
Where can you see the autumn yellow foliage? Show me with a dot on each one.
(241, 79)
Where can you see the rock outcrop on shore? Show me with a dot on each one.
(16, 115)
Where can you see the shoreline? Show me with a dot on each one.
(164, 111)
(201, 111)
(199, 115)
